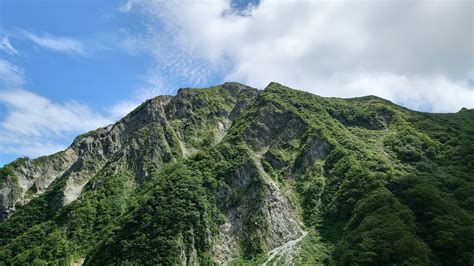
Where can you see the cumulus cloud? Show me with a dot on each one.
(56, 43)
(33, 125)
(416, 53)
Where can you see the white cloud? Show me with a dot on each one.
(33, 125)
(10, 75)
(6, 46)
(125, 7)
(416, 53)
(153, 86)
(56, 43)
(23, 147)
(172, 64)
(33, 115)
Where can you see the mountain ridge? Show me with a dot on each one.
(231, 174)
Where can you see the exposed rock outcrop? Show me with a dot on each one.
(156, 132)
(232, 175)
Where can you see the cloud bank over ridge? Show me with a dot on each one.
(417, 53)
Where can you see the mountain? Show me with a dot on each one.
(234, 175)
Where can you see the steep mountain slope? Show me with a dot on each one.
(234, 175)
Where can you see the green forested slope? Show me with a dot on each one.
(229, 174)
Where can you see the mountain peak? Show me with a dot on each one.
(230, 174)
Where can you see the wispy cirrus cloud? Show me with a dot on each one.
(171, 64)
(26, 147)
(6, 46)
(153, 85)
(33, 115)
(11, 76)
(56, 43)
(33, 125)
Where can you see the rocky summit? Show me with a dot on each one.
(236, 176)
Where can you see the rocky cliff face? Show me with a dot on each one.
(157, 132)
(233, 175)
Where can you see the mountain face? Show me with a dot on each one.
(233, 175)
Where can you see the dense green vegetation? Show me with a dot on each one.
(374, 183)
(179, 213)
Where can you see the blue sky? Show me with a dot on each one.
(67, 67)
(93, 70)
